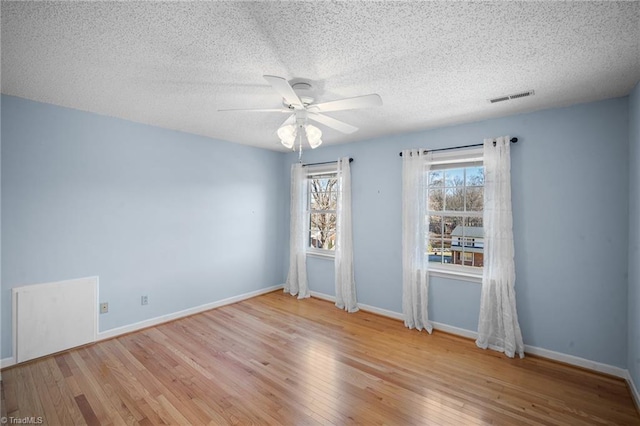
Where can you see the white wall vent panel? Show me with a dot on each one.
(53, 317)
(511, 97)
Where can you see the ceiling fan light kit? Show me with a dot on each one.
(288, 133)
(298, 99)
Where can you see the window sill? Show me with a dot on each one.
(462, 275)
(321, 254)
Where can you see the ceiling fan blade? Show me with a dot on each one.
(285, 90)
(256, 110)
(366, 101)
(333, 123)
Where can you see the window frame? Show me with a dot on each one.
(453, 159)
(324, 169)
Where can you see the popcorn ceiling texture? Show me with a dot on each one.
(434, 63)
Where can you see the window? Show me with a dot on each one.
(455, 209)
(321, 207)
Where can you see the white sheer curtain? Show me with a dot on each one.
(345, 283)
(297, 277)
(498, 327)
(415, 278)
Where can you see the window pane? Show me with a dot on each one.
(454, 177)
(316, 201)
(314, 204)
(330, 242)
(322, 183)
(454, 199)
(332, 184)
(446, 251)
(472, 243)
(322, 230)
(314, 185)
(323, 201)
(473, 221)
(435, 226)
(474, 201)
(333, 200)
(437, 251)
(313, 238)
(475, 176)
(318, 221)
(435, 246)
(436, 200)
(436, 178)
(451, 224)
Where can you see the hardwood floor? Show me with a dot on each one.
(277, 360)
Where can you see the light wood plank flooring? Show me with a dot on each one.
(277, 360)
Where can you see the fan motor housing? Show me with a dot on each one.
(304, 90)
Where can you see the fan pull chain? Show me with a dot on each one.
(300, 147)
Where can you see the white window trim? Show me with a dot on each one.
(325, 254)
(457, 272)
(457, 157)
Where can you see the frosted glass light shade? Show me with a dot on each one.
(315, 143)
(287, 135)
(313, 136)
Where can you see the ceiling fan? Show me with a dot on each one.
(298, 100)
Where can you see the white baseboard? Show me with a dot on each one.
(454, 330)
(7, 362)
(323, 296)
(634, 389)
(577, 361)
(368, 308)
(380, 311)
(108, 334)
(533, 350)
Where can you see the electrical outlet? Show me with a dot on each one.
(144, 300)
(104, 308)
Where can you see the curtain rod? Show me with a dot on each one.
(512, 140)
(326, 162)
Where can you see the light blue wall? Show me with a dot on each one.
(1, 306)
(184, 219)
(163, 213)
(634, 236)
(570, 184)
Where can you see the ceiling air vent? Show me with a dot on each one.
(509, 97)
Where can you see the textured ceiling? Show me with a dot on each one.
(434, 63)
